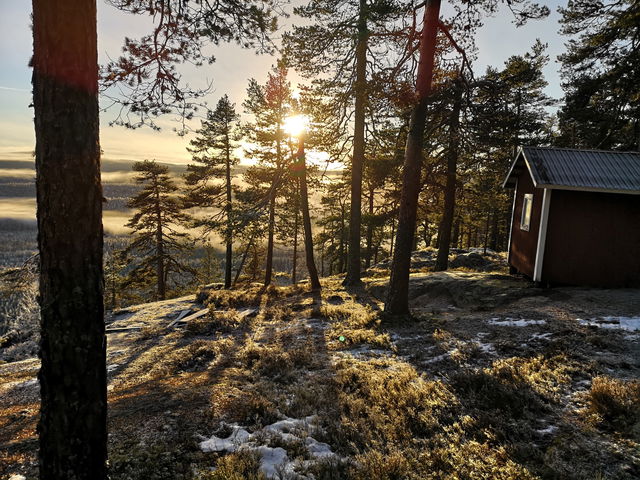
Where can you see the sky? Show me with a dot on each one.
(497, 40)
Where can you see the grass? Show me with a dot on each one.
(615, 404)
(387, 412)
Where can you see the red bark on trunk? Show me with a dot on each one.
(72, 427)
(397, 301)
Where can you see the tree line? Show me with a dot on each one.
(477, 123)
(424, 142)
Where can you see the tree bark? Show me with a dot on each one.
(486, 232)
(306, 218)
(442, 261)
(269, 266)
(229, 233)
(393, 236)
(494, 231)
(367, 260)
(242, 261)
(341, 254)
(72, 427)
(357, 160)
(160, 270)
(456, 233)
(397, 301)
(295, 235)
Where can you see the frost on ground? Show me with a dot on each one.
(514, 322)
(631, 324)
(491, 378)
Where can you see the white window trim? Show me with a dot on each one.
(513, 213)
(542, 235)
(527, 199)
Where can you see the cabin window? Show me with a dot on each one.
(525, 219)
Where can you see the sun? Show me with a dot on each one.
(296, 125)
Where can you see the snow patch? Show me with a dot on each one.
(629, 324)
(230, 444)
(487, 348)
(547, 431)
(438, 358)
(363, 352)
(514, 322)
(541, 336)
(274, 462)
(28, 383)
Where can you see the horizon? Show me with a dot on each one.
(496, 41)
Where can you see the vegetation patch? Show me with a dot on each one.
(615, 404)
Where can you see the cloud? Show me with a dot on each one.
(12, 89)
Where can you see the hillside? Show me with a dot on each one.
(494, 379)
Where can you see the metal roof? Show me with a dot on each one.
(573, 169)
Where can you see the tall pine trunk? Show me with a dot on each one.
(306, 218)
(357, 161)
(269, 266)
(229, 232)
(341, 253)
(295, 240)
(494, 230)
(442, 261)
(160, 270)
(272, 210)
(455, 235)
(367, 260)
(397, 301)
(242, 261)
(72, 427)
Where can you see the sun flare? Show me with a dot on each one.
(296, 125)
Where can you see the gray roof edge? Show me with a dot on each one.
(588, 189)
(537, 180)
(521, 151)
(633, 152)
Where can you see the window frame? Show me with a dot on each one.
(527, 209)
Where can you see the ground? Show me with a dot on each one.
(491, 378)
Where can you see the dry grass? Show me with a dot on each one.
(615, 404)
(389, 414)
(353, 323)
(236, 466)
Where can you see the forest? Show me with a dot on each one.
(322, 292)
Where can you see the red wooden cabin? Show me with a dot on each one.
(576, 216)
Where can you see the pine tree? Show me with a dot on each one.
(210, 177)
(157, 243)
(452, 156)
(397, 301)
(336, 45)
(601, 73)
(146, 73)
(268, 104)
(72, 426)
(334, 221)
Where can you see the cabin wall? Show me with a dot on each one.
(593, 239)
(522, 252)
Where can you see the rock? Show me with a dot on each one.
(335, 300)
(470, 260)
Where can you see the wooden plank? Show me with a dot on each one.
(122, 329)
(199, 314)
(247, 312)
(180, 316)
